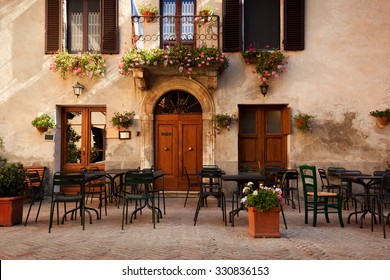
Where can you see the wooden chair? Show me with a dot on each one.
(317, 201)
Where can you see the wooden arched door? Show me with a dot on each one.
(178, 137)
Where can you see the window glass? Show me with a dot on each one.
(262, 24)
(274, 121)
(181, 27)
(248, 122)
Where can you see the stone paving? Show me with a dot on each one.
(175, 237)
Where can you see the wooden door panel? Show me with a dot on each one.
(166, 152)
(273, 150)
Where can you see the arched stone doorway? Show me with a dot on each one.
(147, 116)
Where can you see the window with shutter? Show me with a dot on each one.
(261, 24)
(89, 25)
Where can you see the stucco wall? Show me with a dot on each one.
(340, 77)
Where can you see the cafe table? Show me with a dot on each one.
(366, 181)
(241, 178)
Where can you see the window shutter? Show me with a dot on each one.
(110, 32)
(294, 23)
(232, 25)
(53, 23)
(286, 120)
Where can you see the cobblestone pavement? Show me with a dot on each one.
(175, 237)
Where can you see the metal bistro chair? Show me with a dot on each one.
(190, 184)
(66, 180)
(288, 189)
(37, 191)
(136, 180)
(211, 185)
(96, 187)
(316, 201)
(383, 200)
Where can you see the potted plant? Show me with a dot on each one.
(12, 186)
(148, 11)
(123, 120)
(382, 117)
(222, 121)
(43, 122)
(89, 65)
(206, 18)
(269, 64)
(303, 122)
(263, 210)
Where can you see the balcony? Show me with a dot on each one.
(164, 31)
(164, 44)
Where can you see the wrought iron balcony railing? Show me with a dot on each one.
(162, 31)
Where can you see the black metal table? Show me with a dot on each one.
(241, 178)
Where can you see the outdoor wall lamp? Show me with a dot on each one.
(264, 88)
(78, 89)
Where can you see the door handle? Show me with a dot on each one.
(190, 149)
(166, 149)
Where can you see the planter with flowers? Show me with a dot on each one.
(222, 122)
(263, 210)
(123, 120)
(269, 64)
(303, 122)
(43, 122)
(206, 18)
(148, 11)
(89, 65)
(382, 117)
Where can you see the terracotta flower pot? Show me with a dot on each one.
(264, 224)
(383, 120)
(42, 129)
(11, 210)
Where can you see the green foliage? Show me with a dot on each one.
(303, 122)
(87, 64)
(222, 121)
(43, 120)
(124, 119)
(148, 9)
(383, 113)
(184, 58)
(12, 179)
(269, 63)
(262, 199)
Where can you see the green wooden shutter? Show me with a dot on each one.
(294, 24)
(232, 25)
(52, 28)
(110, 30)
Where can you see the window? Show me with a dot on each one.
(177, 27)
(261, 23)
(82, 25)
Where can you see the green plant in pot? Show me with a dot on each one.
(43, 122)
(12, 186)
(303, 122)
(383, 117)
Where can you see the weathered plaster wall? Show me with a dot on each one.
(340, 77)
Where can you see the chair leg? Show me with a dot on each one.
(185, 201)
(198, 209)
(29, 209)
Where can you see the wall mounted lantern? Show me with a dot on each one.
(264, 88)
(78, 89)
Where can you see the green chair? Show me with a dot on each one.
(74, 182)
(317, 201)
(141, 190)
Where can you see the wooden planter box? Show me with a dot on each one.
(264, 224)
(11, 210)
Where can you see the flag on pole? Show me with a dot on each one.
(136, 27)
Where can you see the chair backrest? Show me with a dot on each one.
(290, 174)
(333, 171)
(135, 177)
(69, 182)
(211, 176)
(309, 180)
(34, 181)
(385, 186)
(323, 177)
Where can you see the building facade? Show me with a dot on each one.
(338, 54)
